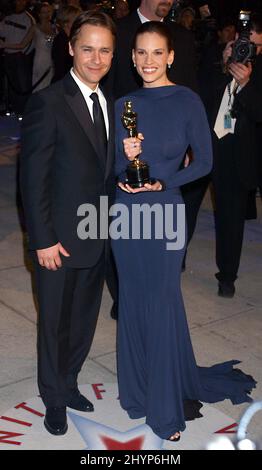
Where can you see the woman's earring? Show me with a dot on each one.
(134, 64)
(169, 66)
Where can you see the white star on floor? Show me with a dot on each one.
(100, 437)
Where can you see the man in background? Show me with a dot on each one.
(123, 78)
(234, 107)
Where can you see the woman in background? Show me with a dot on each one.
(62, 60)
(44, 35)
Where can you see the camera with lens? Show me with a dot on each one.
(243, 49)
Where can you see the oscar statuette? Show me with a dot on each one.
(137, 172)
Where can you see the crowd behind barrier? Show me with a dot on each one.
(34, 40)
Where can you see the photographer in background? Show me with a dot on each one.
(236, 152)
(16, 30)
(234, 112)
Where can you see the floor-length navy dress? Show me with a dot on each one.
(157, 372)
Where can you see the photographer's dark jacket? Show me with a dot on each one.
(248, 112)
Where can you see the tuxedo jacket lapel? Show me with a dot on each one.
(80, 109)
(111, 139)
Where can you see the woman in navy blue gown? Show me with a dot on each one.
(157, 373)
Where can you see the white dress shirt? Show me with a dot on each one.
(86, 92)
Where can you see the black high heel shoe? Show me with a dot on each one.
(172, 438)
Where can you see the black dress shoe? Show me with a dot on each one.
(55, 421)
(80, 403)
(226, 289)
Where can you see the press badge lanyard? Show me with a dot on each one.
(231, 94)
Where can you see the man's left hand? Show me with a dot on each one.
(240, 72)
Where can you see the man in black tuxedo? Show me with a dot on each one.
(123, 78)
(66, 161)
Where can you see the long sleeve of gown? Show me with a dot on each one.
(170, 124)
(199, 138)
